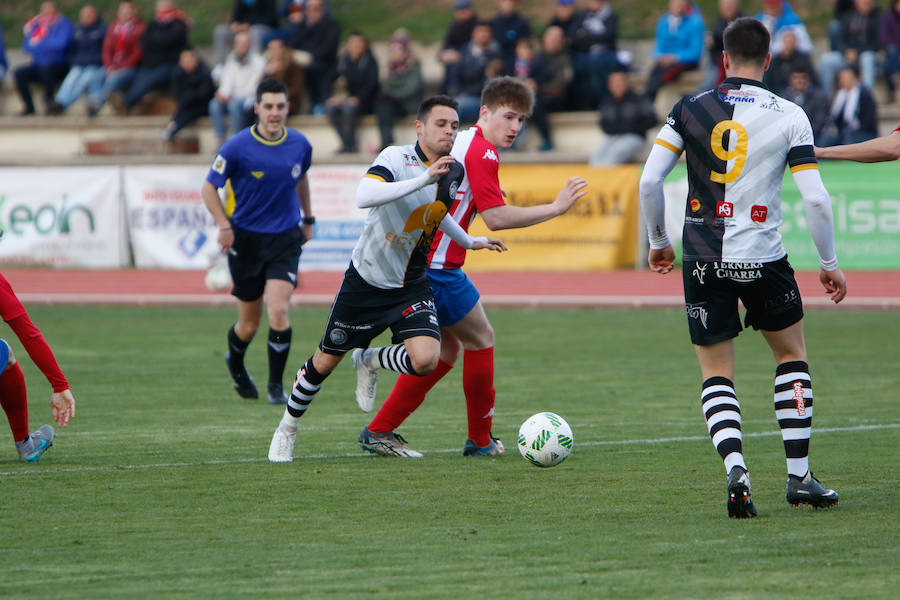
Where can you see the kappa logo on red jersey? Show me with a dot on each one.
(490, 155)
(759, 213)
(724, 209)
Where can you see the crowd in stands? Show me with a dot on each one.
(572, 62)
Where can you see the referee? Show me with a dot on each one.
(266, 165)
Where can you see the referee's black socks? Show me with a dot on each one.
(279, 346)
(236, 349)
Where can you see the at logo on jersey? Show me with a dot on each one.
(490, 155)
(426, 217)
(758, 213)
(724, 209)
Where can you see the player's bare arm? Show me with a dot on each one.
(882, 149)
(214, 206)
(507, 216)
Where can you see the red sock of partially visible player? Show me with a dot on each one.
(408, 393)
(14, 399)
(478, 386)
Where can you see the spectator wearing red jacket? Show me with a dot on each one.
(121, 51)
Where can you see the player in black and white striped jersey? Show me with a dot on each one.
(737, 139)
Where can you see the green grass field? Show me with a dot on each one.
(160, 487)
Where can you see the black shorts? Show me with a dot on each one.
(362, 311)
(255, 258)
(768, 291)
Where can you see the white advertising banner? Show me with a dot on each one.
(62, 217)
(169, 225)
(338, 221)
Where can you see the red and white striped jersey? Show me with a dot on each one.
(480, 190)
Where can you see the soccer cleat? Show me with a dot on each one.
(276, 394)
(495, 448)
(386, 444)
(809, 491)
(243, 383)
(38, 442)
(282, 447)
(366, 381)
(740, 506)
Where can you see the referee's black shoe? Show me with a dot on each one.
(243, 384)
(809, 491)
(740, 506)
(276, 394)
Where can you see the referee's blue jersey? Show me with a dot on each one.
(264, 175)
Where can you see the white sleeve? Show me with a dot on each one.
(375, 192)
(653, 202)
(817, 203)
(449, 226)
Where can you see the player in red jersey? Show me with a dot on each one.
(505, 104)
(882, 149)
(13, 393)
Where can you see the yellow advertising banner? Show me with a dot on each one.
(599, 232)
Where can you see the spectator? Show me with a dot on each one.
(478, 55)
(594, 48)
(857, 44)
(358, 74)
(841, 7)
(86, 56)
(625, 117)
(534, 72)
(319, 35)
(280, 65)
(508, 27)
(257, 17)
(290, 15)
(161, 45)
(4, 66)
(47, 39)
(677, 46)
(853, 114)
(729, 10)
(785, 63)
(555, 56)
(890, 41)
(402, 89)
(121, 52)
(811, 99)
(236, 94)
(458, 35)
(564, 18)
(779, 17)
(192, 88)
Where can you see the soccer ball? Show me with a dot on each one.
(218, 279)
(545, 439)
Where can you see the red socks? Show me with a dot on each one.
(14, 399)
(408, 393)
(478, 386)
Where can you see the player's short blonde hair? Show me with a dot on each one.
(510, 92)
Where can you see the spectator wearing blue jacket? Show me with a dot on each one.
(47, 38)
(779, 18)
(678, 45)
(86, 57)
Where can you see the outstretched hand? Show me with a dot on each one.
(494, 244)
(62, 405)
(834, 283)
(662, 260)
(572, 191)
(440, 167)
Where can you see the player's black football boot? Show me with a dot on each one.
(740, 506)
(243, 384)
(809, 491)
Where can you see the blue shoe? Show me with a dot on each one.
(546, 146)
(32, 448)
(495, 448)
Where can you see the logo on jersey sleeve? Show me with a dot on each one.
(490, 155)
(257, 174)
(219, 164)
(759, 213)
(296, 170)
(724, 209)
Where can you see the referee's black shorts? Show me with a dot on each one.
(768, 292)
(255, 258)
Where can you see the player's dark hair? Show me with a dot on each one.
(270, 86)
(431, 102)
(746, 40)
(510, 92)
(852, 68)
